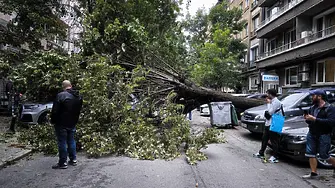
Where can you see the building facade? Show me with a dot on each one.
(291, 44)
(251, 14)
(296, 44)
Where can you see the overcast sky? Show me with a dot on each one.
(196, 4)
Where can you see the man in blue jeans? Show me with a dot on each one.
(65, 114)
(320, 120)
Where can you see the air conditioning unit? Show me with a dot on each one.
(304, 37)
(274, 10)
(304, 34)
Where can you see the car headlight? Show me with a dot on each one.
(260, 118)
(242, 114)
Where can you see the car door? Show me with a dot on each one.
(298, 109)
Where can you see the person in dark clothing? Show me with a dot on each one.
(65, 115)
(13, 97)
(320, 119)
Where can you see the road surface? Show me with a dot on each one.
(229, 165)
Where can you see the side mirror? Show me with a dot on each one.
(303, 104)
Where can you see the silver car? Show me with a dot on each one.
(35, 113)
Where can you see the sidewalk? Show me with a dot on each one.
(10, 149)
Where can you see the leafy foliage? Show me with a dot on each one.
(33, 20)
(41, 138)
(217, 51)
(40, 74)
(111, 122)
(122, 41)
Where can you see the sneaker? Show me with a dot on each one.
(73, 162)
(310, 176)
(257, 155)
(273, 159)
(60, 166)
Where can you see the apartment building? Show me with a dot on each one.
(296, 41)
(251, 13)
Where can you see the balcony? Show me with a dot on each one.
(309, 45)
(279, 13)
(266, 3)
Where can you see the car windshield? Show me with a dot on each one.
(290, 99)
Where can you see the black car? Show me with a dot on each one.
(293, 140)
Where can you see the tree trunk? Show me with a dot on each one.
(193, 96)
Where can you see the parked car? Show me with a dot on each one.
(240, 95)
(293, 141)
(253, 119)
(36, 113)
(204, 110)
(32, 113)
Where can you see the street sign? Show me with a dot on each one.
(270, 78)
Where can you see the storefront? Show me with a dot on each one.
(270, 82)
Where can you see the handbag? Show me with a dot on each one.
(277, 121)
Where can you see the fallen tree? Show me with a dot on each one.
(127, 51)
(164, 78)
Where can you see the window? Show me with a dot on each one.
(272, 12)
(325, 71)
(255, 22)
(288, 100)
(246, 3)
(324, 25)
(246, 30)
(271, 46)
(329, 23)
(308, 100)
(319, 27)
(291, 75)
(289, 38)
(254, 52)
(241, 6)
(253, 81)
(254, 3)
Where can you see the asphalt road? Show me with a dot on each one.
(229, 165)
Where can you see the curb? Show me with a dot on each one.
(18, 156)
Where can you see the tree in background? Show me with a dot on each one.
(218, 52)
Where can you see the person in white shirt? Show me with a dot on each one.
(273, 106)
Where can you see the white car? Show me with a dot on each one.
(204, 110)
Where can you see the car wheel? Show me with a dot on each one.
(324, 163)
(43, 118)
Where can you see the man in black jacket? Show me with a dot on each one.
(65, 114)
(320, 119)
